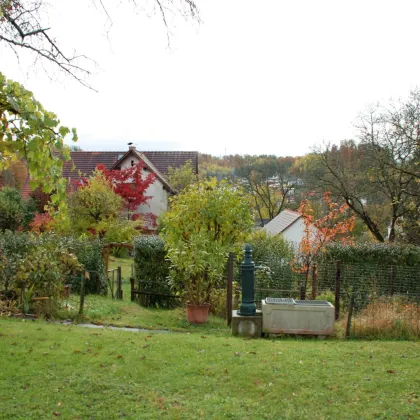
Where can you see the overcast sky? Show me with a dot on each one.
(271, 76)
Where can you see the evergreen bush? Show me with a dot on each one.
(152, 271)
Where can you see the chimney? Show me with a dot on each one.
(131, 146)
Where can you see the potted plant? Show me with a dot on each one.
(203, 224)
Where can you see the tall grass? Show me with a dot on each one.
(388, 317)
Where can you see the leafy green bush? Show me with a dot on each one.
(152, 271)
(122, 230)
(205, 222)
(218, 299)
(327, 295)
(376, 253)
(35, 267)
(12, 209)
(18, 247)
(14, 246)
(271, 255)
(89, 254)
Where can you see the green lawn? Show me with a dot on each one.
(49, 370)
(125, 264)
(124, 313)
(104, 310)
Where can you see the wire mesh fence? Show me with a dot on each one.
(382, 300)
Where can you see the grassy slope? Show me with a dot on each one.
(81, 373)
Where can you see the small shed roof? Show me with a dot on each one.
(282, 221)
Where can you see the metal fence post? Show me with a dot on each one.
(348, 326)
(314, 281)
(337, 289)
(229, 293)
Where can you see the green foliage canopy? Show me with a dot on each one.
(29, 132)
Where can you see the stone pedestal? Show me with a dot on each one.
(247, 326)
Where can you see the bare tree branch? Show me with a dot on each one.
(22, 27)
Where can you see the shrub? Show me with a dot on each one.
(35, 267)
(327, 295)
(218, 299)
(16, 247)
(271, 255)
(152, 271)
(42, 273)
(206, 220)
(12, 209)
(122, 230)
(89, 254)
(41, 223)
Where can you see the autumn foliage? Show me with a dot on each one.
(334, 226)
(42, 222)
(130, 184)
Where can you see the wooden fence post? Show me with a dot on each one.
(337, 289)
(82, 294)
(229, 294)
(314, 281)
(119, 289)
(132, 288)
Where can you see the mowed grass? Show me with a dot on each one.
(124, 313)
(125, 264)
(49, 371)
(103, 310)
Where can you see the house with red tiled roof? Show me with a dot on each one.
(83, 163)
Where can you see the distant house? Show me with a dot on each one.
(156, 162)
(289, 225)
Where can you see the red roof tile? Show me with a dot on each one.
(86, 162)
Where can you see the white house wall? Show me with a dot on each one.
(158, 203)
(294, 233)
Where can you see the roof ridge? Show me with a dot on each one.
(293, 211)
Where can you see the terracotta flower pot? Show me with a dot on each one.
(197, 314)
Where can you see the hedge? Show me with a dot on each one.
(151, 270)
(375, 254)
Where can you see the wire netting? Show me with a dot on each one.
(386, 298)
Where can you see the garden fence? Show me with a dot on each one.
(370, 300)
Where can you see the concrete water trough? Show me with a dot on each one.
(290, 316)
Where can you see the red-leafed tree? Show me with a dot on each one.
(131, 185)
(334, 226)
